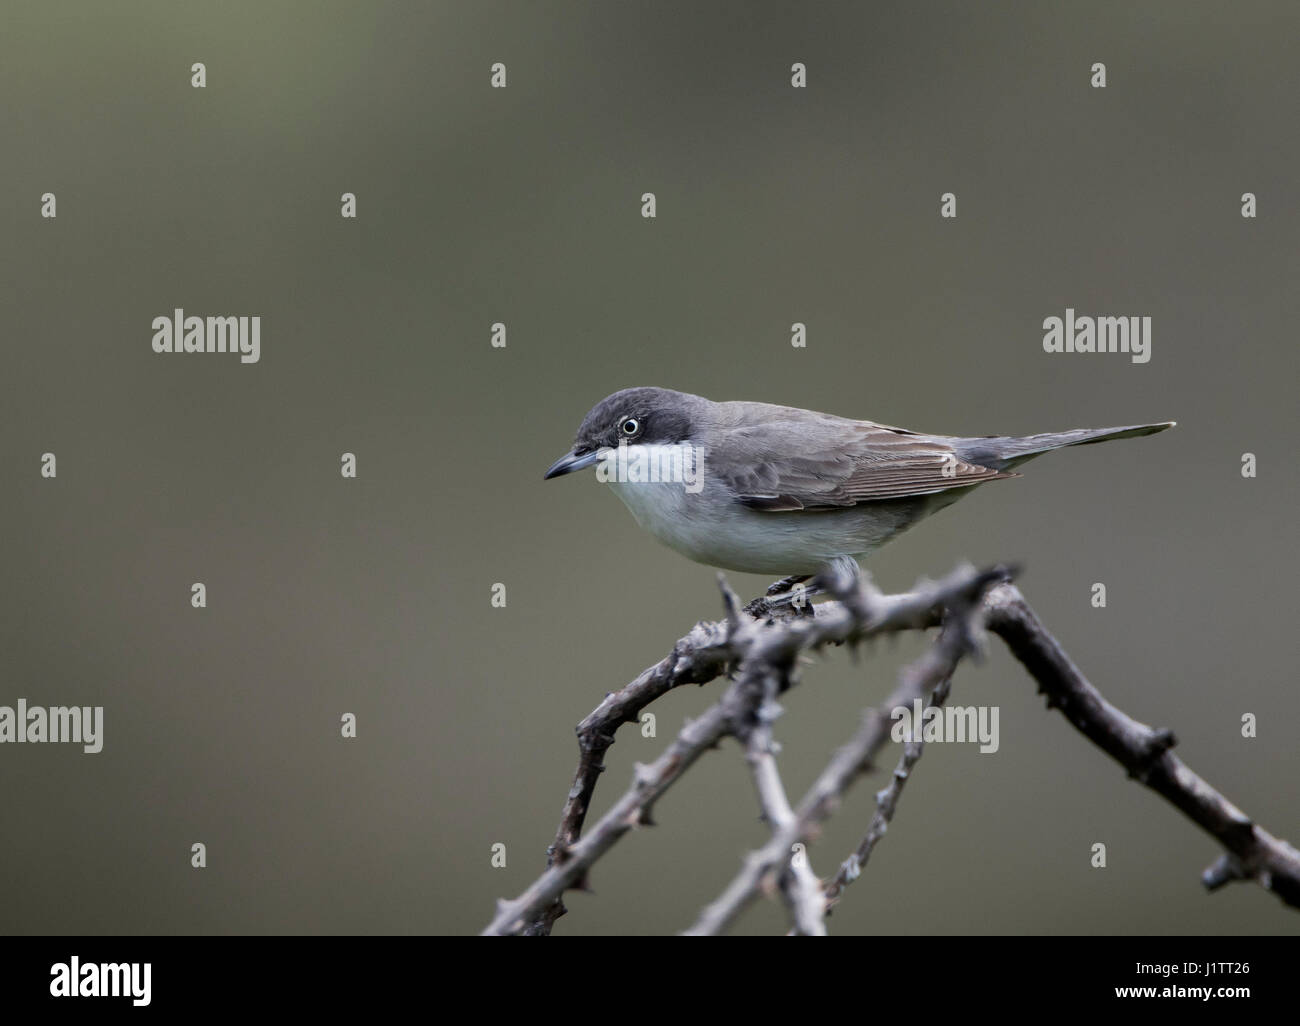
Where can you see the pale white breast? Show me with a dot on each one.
(709, 527)
(675, 512)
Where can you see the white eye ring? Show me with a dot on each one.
(630, 426)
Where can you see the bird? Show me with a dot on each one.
(758, 488)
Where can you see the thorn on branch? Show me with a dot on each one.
(1224, 870)
(644, 774)
(1157, 742)
(583, 884)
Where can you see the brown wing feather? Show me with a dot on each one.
(842, 464)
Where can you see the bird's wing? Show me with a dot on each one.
(837, 463)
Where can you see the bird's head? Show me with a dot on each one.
(633, 416)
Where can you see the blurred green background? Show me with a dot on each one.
(522, 205)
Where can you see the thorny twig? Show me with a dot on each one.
(763, 654)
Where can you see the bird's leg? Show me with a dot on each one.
(785, 592)
(786, 584)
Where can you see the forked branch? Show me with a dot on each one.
(761, 656)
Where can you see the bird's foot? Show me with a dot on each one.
(786, 584)
(788, 595)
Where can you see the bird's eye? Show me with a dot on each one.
(630, 426)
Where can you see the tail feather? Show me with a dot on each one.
(1003, 453)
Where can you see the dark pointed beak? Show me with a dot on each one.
(570, 462)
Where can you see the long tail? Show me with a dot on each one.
(1004, 453)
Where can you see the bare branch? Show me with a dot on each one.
(916, 682)
(764, 652)
(886, 806)
(631, 810)
(703, 654)
(1253, 853)
(800, 887)
(697, 658)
